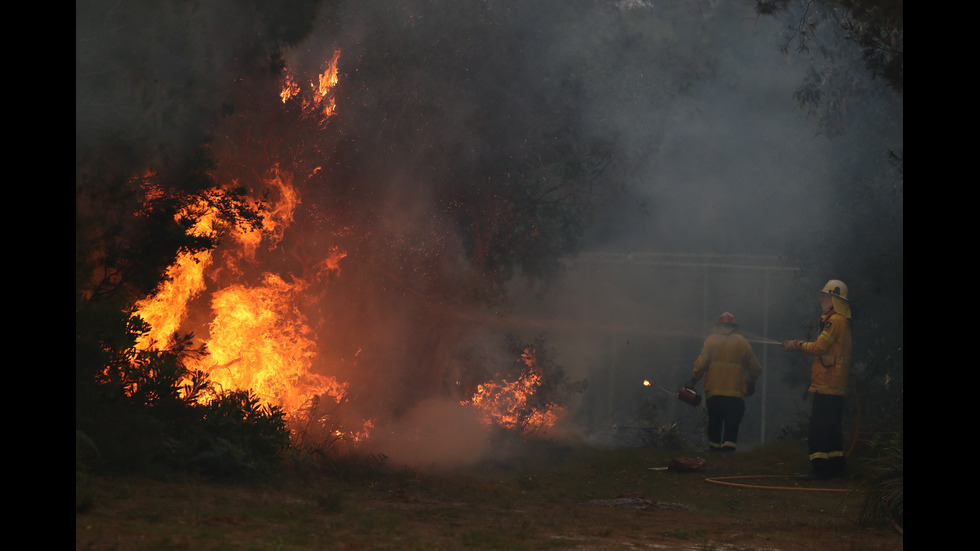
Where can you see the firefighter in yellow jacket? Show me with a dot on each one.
(730, 369)
(828, 381)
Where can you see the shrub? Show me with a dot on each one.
(885, 483)
(141, 409)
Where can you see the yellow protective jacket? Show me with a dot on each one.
(831, 355)
(727, 363)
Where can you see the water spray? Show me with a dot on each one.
(765, 341)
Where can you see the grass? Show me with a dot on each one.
(549, 496)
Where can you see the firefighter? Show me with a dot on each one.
(828, 381)
(730, 369)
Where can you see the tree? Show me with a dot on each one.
(149, 83)
(473, 145)
(515, 121)
(862, 243)
(841, 32)
(877, 26)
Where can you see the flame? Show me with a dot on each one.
(508, 403)
(278, 216)
(258, 338)
(165, 311)
(328, 79)
(321, 100)
(646, 382)
(289, 88)
(356, 436)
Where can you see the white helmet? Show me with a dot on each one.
(838, 293)
(836, 288)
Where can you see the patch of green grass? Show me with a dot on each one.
(884, 482)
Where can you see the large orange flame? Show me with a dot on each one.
(165, 311)
(277, 216)
(259, 340)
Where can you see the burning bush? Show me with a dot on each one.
(144, 410)
(529, 396)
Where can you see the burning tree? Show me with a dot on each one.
(148, 211)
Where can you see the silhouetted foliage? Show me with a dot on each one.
(876, 26)
(144, 411)
(853, 46)
(862, 232)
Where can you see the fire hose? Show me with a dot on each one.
(725, 480)
(729, 480)
(691, 397)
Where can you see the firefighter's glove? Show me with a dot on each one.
(750, 388)
(789, 346)
(691, 383)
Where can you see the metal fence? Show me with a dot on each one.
(619, 319)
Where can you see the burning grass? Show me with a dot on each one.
(541, 496)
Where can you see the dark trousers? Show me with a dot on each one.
(826, 438)
(724, 415)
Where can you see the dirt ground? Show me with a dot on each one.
(552, 498)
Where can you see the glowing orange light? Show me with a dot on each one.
(260, 341)
(289, 89)
(322, 101)
(506, 404)
(165, 311)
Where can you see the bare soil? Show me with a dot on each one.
(547, 497)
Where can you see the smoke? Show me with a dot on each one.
(150, 77)
(434, 433)
(687, 106)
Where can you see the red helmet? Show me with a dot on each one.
(726, 318)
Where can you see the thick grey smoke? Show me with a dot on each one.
(741, 176)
